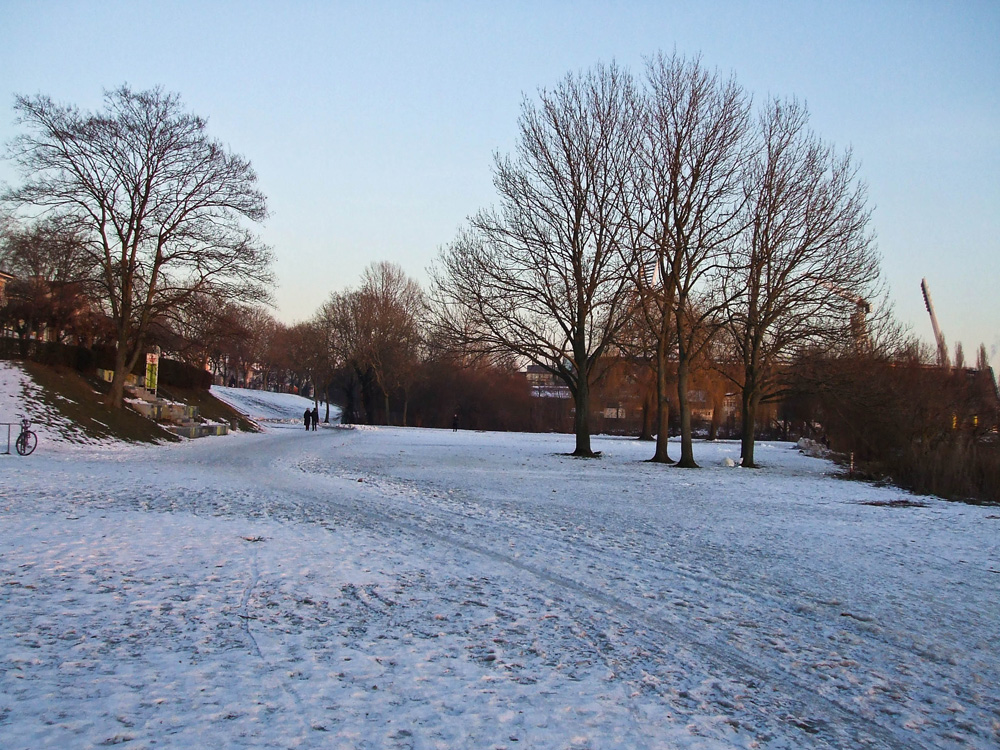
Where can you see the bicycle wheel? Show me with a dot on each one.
(26, 443)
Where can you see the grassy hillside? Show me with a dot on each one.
(77, 398)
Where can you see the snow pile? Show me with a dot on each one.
(813, 448)
(433, 589)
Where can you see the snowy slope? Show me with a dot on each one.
(273, 408)
(430, 589)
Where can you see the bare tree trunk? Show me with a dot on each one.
(649, 414)
(662, 403)
(581, 420)
(747, 437)
(687, 450)
(116, 395)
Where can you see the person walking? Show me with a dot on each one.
(315, 417)
(307, 418)
(454, 423)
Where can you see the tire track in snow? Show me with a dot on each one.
(808, 705)
(861, 633)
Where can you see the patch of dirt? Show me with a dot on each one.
(900, 503)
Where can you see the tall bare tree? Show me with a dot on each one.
(542, 276)
(158, 204)
(982, 359)
(687, 181)
(805, 271)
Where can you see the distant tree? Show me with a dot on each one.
(375, 334)
(52, 285)
(982, 361)
(306, 356)
(157, 204)
(344, 320)
(805, 271)
(247, 344)
(639, 340)
(394, 307)
(543, 276)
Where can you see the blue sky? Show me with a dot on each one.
(373, 125)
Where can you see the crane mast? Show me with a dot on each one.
(938, 336)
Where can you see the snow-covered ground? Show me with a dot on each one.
(404, 588)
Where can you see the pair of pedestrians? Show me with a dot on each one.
(311, 418)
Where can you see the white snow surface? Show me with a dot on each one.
(405, 588)
(274, 408)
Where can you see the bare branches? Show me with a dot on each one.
(669, 204)
(685, 214)
(543, 274)
(159, 206)
(376, 331)
(804, 272)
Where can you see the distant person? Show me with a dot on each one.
(454, 423)
(307, 418)
(315, 416)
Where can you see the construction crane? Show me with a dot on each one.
(943, 359)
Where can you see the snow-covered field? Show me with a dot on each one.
(403, 588)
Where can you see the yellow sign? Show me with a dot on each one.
(152, 365)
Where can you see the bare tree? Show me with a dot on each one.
(250, 342)
(375, 333)
(344, 323)
(158, 205)
(543, 275)
(959, 356)
(804, 272)
(51, 290)
(307, 358)
(393, 305)
(687, 181)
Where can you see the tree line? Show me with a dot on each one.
(663, 216)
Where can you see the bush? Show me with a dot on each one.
(929, 429)
(957, 471)
(182, 375)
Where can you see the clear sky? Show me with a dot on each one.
(372, 125)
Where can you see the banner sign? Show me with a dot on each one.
(152, 365)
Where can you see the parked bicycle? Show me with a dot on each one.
(26, 440)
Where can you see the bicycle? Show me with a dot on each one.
(27, 440)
